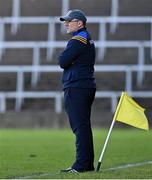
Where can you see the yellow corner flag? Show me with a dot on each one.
(129, 112)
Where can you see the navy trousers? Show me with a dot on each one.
(78, 102)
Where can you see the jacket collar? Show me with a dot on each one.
(82, 29)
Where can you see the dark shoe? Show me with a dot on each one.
(68, 170)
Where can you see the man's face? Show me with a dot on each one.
(72, 26)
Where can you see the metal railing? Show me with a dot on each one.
(19, 94)
(36, 46)
(51, 21)
(65, 6)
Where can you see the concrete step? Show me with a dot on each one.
(41, 8)
(48, 119)
(135, 8)
(5, 8)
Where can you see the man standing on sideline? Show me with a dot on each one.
(78, 61)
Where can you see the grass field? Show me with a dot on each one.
(42, 153)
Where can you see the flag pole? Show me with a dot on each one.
(110, 130)
(105, 144)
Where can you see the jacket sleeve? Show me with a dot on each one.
(72, 51)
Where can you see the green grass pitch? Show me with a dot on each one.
(41, 153)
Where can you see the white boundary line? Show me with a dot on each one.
(128, 165)
(36, 175)
(104, 170)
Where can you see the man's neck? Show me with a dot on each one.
(79, 30)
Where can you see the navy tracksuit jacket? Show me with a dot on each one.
(79, 86)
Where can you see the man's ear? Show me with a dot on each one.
(80, 23)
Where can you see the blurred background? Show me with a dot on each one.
(31, 38)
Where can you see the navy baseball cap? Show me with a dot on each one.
(74, 14)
